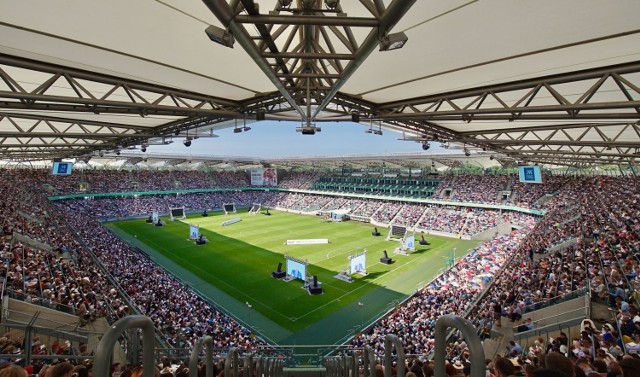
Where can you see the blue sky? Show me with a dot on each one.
(271, 139)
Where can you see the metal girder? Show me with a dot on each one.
(306, 20)
(391, 15)
(44, 102)
(606, 160)
(72, 121)
(305, 68)
(226, 15)
(577, 143)
(492, 102)
(73, 80)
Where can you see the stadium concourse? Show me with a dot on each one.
(58, 255)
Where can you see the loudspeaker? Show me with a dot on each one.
(386, 259)
(315, 288)
(375, 232)
(279, 274)
(423, 241)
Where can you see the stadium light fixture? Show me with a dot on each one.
(220, 36)
(393, 41)
(187, 142)
(285, 3)
(308, 130)
(426, 146)
(466, 152)
(355, 116)
(332, 4)
(246, 128)
(143, 148)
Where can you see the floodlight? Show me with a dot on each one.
(426, 146)
(308, 130)
(393, 41)
(143, 148)
(260, 113)
(355, 116)
(466, 152)
(187, 142)
(285, 3)
(491, 157)
(237, 130)
(368, 130)
(308, 4)
(246, 128)
(220, 36)
(332, 4)
(377, 132)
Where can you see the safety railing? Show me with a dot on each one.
(354, 362)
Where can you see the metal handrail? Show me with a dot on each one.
(193, 361)
(231, 360)
(476, 352)
(104, 352)
(390, 340)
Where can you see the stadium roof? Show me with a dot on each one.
(403, 161)
(554, 82)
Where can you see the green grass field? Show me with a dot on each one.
(234, 270)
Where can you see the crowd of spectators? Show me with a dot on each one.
(298, 180)
(478, 188)
(111, 180)
(61, 274)
(464, 188)
(455, 291)
(458, 220)
(387, 212)
(526, 195)
(600, 213)
(153, 180)
(194, 179)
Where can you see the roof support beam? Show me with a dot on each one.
(84, 122)
(390, 17)
(225, 14)
(61, 103)
(307, 20)
(308, 55)
(111, 80)
(577, 143)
